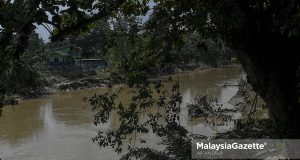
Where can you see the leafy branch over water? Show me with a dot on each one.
(160, 110)
(151, 110)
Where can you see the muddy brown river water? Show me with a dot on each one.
(59, 127)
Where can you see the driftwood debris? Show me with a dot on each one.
(210, 110)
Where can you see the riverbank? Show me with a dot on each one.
(254, 122)
(56, 83)
(103, 79)
(248, 102)
(82, 83)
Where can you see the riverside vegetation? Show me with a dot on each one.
(262, 33)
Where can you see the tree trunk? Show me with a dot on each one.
(274, 75)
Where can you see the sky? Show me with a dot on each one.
(44, 34)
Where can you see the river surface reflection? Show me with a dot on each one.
(59, 127)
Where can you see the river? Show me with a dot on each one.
(59, 127)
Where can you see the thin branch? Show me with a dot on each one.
(52, 23)
(46, 27)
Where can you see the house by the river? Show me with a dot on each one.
(63, 57)
(68, 58)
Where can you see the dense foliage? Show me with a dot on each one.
(93, 44)
(265, 33)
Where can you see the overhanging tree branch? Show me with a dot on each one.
(86, 21)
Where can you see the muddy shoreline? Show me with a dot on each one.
(57, 84)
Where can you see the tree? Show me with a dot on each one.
(18, 19)
(94, 43)
(27, 80)
(197, 50)
(266, 36)
(35, 44)
(266, 33)
(123, 38)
